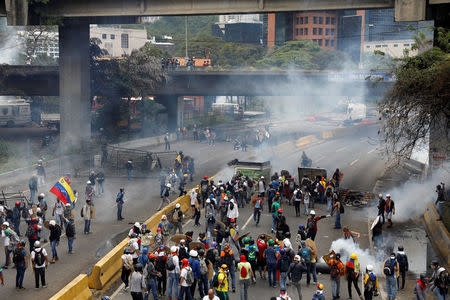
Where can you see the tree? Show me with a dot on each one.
(418, 103)
(332, 60)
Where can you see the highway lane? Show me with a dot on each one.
(142, 198)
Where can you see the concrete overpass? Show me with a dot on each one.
(43, 81)
(23, 12)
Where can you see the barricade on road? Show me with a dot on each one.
(306, 140)
(437, 233)
(77, 289)
(327, 135)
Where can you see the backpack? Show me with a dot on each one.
(39, 258)
(341, 208)
(401, 258)
(160, 264)
(30, 231)
(170, 266)
(370, 285)
(316, 296)
(203, 267)
(388, 269)
(215, 280)
(334, 270)
(166, 193)
(251, 253)
(189, 276)
(305, 255)
(244, 272)
(165, 228)
(258, 204)
(18, 256)
(204, 187)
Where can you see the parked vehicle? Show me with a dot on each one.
(15, 113)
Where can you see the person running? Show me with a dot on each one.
(370, 283)
(352, 273)
(245, 275)
(39, 263)
(295, 272)
(336, 271)
(258, 207)
(391, 272)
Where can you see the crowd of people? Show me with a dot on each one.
(221, 260)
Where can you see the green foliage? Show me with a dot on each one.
(151, 50)
(377, 60)
(175, 26)
(332, 60)
(418, 99)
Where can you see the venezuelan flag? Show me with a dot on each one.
(63, 191)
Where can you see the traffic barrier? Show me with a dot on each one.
(437, 233)
(306, 140)
(77, 289)
(327, 135)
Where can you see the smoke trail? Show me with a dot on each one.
(346, 247)
(8, 44)
(412, 198)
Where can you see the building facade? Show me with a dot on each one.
(239, 28)
(395, 48)
(318, 26)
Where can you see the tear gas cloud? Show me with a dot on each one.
(346, 247)
(412, 198)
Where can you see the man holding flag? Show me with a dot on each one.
(63, 191)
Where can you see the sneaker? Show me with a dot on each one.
(5, 267)
(44, 286)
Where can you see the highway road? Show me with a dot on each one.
(356, 156)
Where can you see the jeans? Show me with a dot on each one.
(53, 245)
(59, 220)
(129, 174)
(256, 215)
(100, 188)
(32, 194)
(335, 286)
(203, 285)
(7, 256)
(39, 272)
(273, 221)
(87, 226)
(70, 243)
(297, 208)
(233, 277)
(185, 290)
(125, 276)
(311, 269)
(438, 294)
(283, 276)
(391, 287)
(329, 206)
(136, 296)
(402, 275)
(174, 279)
(337, 219)
(272, 274)
(19, 276)
(298, 286)
(355, 281)
(243, 284)
(119, 212)
(306, 208)
(151, 286)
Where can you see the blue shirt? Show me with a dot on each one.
(275, 184)
(119, 198)
(196, 268)
(270, 255)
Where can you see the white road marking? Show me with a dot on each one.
(319, 159)
(341, 149)
(188, 222)
(371, 150)
(354, 162)
(246, 223)
(117, 291)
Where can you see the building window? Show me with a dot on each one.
(301, 20)
(327, 31)
(306, 20)
(319, 42)
(315, 20)
(314, 31)
(320, 31)
(377, 46)
(405, 45)
(332, 43)
(320, 20)
(333, 21)
(306, 31)
(301, 31)
(332, 31)
(314, 40)
(395, 45)
(104, 36)
(113, 36)
(327, 42)
(384, 46)
(297, 20)
(368, 47)
(124, 40)
(296, 31)
(327, 20)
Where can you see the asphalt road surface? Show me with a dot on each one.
(355, 155)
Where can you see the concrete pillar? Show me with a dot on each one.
(175, 110)
(74, 86)
(410, 10)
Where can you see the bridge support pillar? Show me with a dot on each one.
(74, 86)
(175, 109)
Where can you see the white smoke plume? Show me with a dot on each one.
(347, 247)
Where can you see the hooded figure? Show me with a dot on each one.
(233, 212)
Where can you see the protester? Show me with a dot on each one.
(20, 260)
(295, 272)
(402, 260)
(120, 200)
(127, 267)
(336, 271)
(87, 212)
(352, 273)
(150, 276)
(440, 200)
(222, 283)
(311, 224)
(389, 210)
(39, 262)
(420, 289)
(186, 280)
(245, 275)
(55, 234)
(271, 260)
(137, 284)
(173, 268)
(370, 283)
(391, 272)
(211, 295)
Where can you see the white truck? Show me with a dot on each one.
(15, 112)
(50, 120)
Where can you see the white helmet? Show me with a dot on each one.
(208, 201)
(52, 222)
(440, 270)
(369, 268)
(262, 177)
(177, 205)
(137, 224)
(37, 244)
(88, 182)
(312, 212)
(39, 209)
(173, 249)
(380, 195)
(2, 209)
(42, 195)
(6, 224)
(388, 195)
(193, 253)
(169, 185)
(225, 198)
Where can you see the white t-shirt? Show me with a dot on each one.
(207, 298)
(193, 198)
(176, 262)
(135, 246)
(5, 239)
(184, 274)
(127, 259)
(33, 254)
(261, 187)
